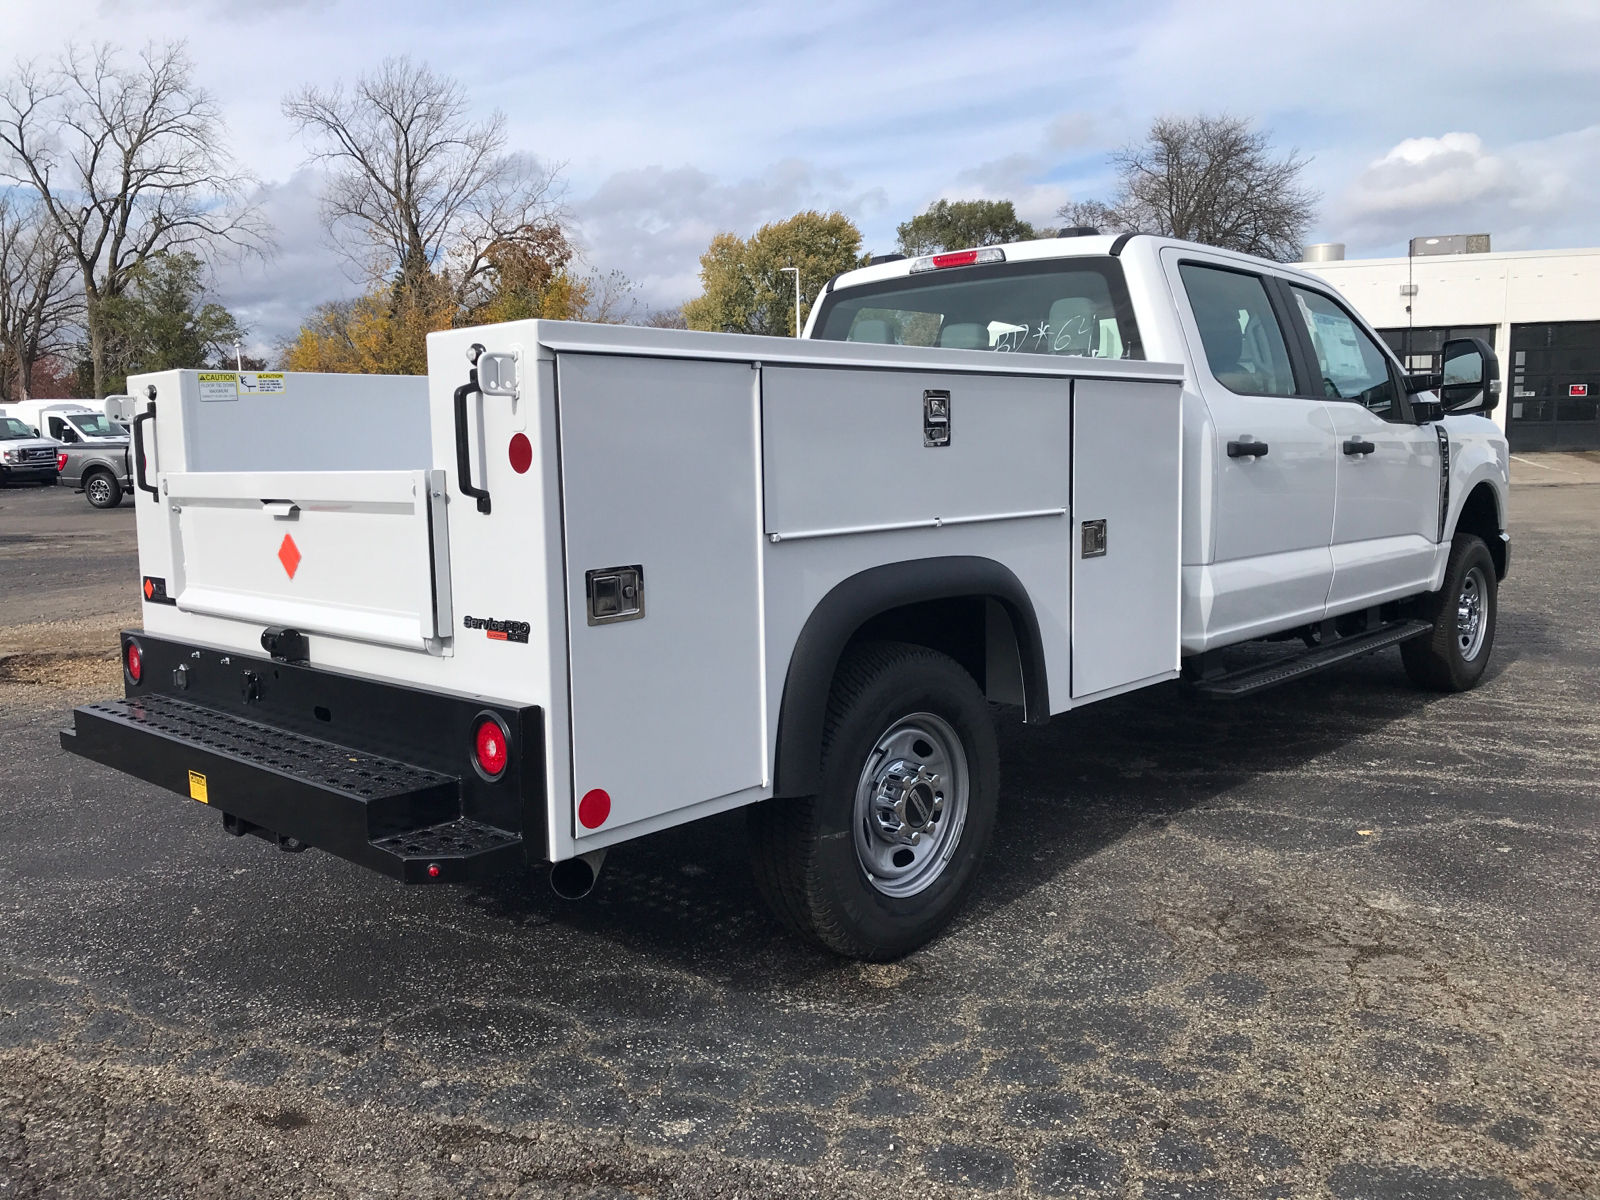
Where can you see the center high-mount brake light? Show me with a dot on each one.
(135, 661)
(489, 748)
(960, 258)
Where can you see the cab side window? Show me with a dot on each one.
(1350, 364)
(1243, 342)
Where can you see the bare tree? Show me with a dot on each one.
(1212, 180)
(40, 306)
(129, 162)
(1091, 214)
(417, 187)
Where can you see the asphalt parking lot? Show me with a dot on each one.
(1340, 940)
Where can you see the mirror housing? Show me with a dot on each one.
(1470, 381)
(1426, 408)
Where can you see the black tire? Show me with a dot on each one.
(804, 851)
(1450, 657)
(102, 490)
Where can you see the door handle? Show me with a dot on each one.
(1247, 449)
(139, 462)
(1357, 446)
(463, 447)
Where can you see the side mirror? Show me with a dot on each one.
(1470, 381)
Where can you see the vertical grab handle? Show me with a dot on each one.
(463, 447)
(138, 449)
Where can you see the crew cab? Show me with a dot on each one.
(584, 583)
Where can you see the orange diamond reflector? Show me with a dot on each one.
(289, 555)
(149, 589)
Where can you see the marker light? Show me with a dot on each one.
(960, 258)
(491, 748)
(135, 661)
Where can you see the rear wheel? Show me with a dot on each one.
(882, 858)
(102, 490)
(1454, 654)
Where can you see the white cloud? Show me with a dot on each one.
(1016, 177)
(1523, 194)
(653, 223)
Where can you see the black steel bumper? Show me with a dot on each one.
(377, 773)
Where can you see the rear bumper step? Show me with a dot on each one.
(1254, 679)
(394, 817)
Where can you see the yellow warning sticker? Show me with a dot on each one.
(197, 787)
(219, 385)
(262, 383)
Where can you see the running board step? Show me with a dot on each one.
(1255, 679)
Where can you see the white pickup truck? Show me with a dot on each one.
(588, 582)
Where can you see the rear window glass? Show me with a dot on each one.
(1074, 306)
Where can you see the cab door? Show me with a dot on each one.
(1272, 456)
(1386, 498)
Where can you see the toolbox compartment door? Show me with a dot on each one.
(351, 554)
(660, 472)
(1126, 482)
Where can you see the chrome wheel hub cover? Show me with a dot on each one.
(911, 804)
(1471, 624)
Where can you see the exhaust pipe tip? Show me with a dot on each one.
(574, 878)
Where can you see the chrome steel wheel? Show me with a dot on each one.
(1471, 622)
(911, 804)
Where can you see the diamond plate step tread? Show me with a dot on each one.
(459, 838)
(365, 776)
(1255, 679)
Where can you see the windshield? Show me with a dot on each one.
(11, 428)
(1072, 306)
(95, 425)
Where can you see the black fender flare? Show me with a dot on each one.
(854, 601)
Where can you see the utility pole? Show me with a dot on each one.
(238, 359)
(796, 271)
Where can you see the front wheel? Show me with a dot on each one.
(882, 858)
(1454, 654)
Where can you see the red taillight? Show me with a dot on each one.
(135, 662)
(61, 461)
(491, 748)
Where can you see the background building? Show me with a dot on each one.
(1539, 309)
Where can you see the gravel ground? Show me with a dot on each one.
(1340, 940)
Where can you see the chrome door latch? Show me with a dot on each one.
(935, 418)
(615, 594)
(1094, 540)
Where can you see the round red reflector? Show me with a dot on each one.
(594, 808)
(491, 748)
(135, 662)
(433, 870)
(521, 453)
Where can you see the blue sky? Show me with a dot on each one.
(675, 121)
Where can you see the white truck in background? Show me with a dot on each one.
(583, 583)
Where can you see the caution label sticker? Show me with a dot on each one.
(197, 787)
(262, 383)
(219, 385)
